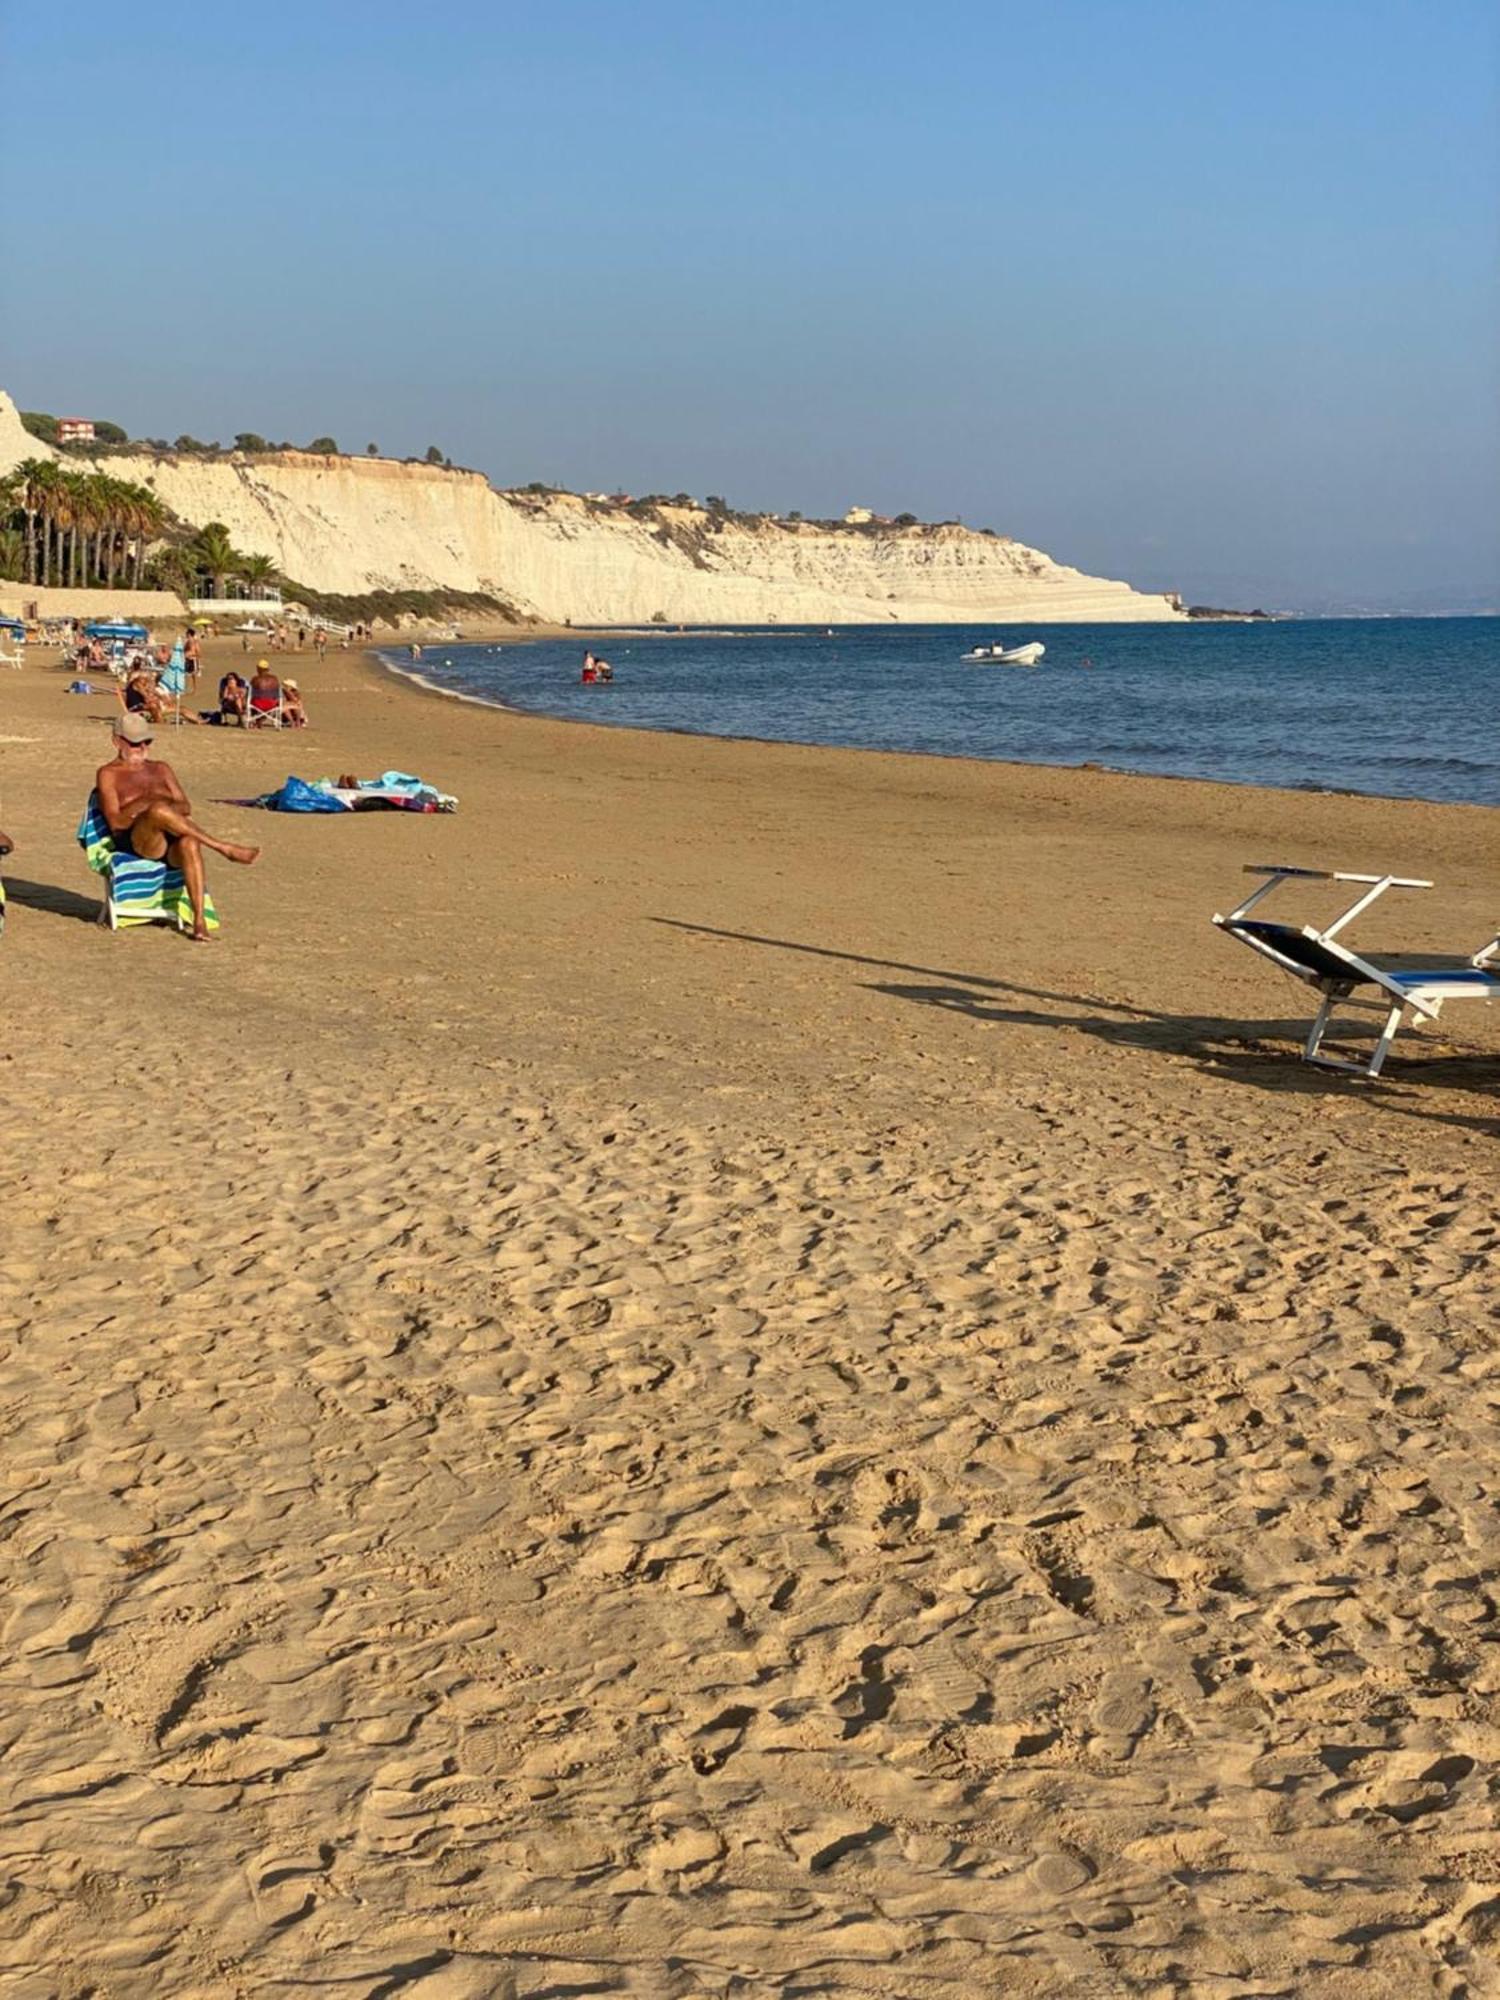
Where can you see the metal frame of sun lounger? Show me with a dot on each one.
(1317, 958)
(266, 718)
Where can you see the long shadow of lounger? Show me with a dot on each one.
(1246, 1051)
(1240, 1051)
(1118, 1020)
(56, 902)
(898, 965)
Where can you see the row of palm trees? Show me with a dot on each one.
(81, 528)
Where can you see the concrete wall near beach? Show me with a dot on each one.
(153, 606)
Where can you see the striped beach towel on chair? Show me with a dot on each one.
(135, 891)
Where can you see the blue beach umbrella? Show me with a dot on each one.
(103, 628)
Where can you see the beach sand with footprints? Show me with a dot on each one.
(739, 1371)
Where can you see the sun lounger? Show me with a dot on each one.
(135, 891)
(1420, 981)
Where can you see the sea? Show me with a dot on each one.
(1397, 707)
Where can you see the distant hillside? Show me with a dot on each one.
(354, 525)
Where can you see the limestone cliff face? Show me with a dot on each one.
(357, 524)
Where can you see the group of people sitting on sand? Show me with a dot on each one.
(181, 661)
(264, 697)
(596, 670)
(261, 700)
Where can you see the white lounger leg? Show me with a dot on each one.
(1313, 1052)
(1387, 1036)
(1318, 1030)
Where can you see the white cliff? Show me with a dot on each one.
(352, 525)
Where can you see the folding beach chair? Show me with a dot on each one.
(266, 718)
(1421, 981)
(135, 891)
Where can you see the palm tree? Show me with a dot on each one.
(174, 568)
(86, 513)
(145, 518)
(213, 551)
(43, 483)
(33, 476)
(257, 570)
(67, 508)
(110, 492)
(12, 541)
(110, 495)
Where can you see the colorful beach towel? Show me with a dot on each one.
(136, 892)
(321, 795)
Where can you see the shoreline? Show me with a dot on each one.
(426, 686)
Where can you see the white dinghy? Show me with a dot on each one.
(1001, 656)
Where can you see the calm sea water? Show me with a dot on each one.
(1407, 708)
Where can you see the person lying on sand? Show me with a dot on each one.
(149, 815)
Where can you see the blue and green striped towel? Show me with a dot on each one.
(143, 892)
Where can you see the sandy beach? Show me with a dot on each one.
(738, 1371)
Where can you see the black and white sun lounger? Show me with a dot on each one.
(1415, 980)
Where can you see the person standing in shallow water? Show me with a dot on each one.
(149, 815)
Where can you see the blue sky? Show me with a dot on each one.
(1201, 294)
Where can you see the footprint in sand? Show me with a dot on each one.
(717, 1741)
(868, 1698)
(1122, 1713)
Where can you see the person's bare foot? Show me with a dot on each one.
(245, 855)
(201, 934)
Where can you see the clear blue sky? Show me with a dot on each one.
(1197, 292)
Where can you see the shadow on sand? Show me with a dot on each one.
(56, 902)
(1241, 1052)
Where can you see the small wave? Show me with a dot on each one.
(1409, 761)
(408, 673)
(1103, 750)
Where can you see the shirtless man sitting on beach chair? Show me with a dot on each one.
(149, 815)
